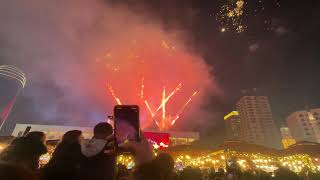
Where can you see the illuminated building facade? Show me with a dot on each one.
(287, 139)
(53, 132)
(257, 125)
(232, 122)
(305, 125)
(314, 118)
(183, 137)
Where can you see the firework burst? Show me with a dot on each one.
(165, 120)
(231, 13)
(155, 71)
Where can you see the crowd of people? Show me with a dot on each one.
(75, 159)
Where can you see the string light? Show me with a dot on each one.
(219, 159)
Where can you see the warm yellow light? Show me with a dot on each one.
(233, 113)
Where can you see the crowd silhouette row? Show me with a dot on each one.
(76, 159)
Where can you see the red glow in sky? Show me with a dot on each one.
(170, 75)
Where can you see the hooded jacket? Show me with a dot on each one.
(99, 165)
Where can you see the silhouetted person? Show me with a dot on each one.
(122, 172)
(13, 172)
(101, 161)
(147, 171)
(165, 164)
(233, 170)
(219, 175)
(250, 175)
(26, 151)
(66, 158)
(190, 173)
(285, 173)
(160, 168)
(145, 165)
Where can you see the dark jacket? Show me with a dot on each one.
(65, 162)
(98, 165)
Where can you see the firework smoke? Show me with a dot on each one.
(70, 51)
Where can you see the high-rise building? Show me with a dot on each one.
(287, 139)
(257, 125)
(314, 118)
(232, 121)
(305, 125)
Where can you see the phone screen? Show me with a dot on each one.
(126, 119)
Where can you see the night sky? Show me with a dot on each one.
(277, 53)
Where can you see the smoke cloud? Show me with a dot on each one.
(70, 50)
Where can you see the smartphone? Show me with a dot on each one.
(126, 123)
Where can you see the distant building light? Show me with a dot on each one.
(233, 113)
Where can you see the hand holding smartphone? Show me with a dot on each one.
(126, 123)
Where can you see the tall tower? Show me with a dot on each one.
(232, 122)
(12, 81)
(257, 125)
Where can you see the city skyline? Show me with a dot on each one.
(301, 126)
